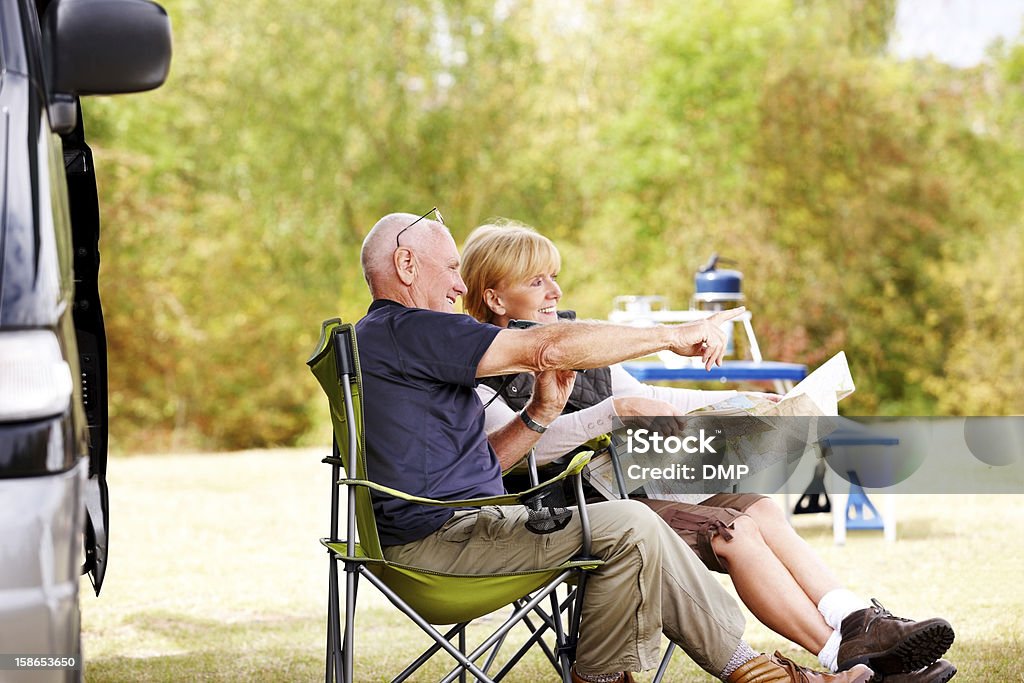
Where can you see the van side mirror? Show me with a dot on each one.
(102, 47)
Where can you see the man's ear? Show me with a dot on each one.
(494, 302)
(405, 265)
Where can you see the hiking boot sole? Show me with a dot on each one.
(916, 651)
(939, 672)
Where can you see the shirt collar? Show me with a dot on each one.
(382, 303)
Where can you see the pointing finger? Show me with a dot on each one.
(728, 314)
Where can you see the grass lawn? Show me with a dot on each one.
(216, 574)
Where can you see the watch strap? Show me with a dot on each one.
(531, 423)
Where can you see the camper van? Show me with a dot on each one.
(53, 400)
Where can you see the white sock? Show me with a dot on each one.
(838, 604)
(830, 653)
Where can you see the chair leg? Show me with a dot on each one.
(516, 617)
(347, 649)
(663, 668)
(430, 652)
(546, 624)
(494, 652)
(536, 637)
(336, 653)
(556, 624)
(332, 611)
(462, 649)
(568, 650)
(463, 660)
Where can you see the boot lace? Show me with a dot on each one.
(795, 671)
(879, 612)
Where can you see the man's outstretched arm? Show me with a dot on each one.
(581, 345)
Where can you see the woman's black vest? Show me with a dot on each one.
(592, 386)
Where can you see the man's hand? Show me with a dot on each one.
(551, 389)
(550, 392)
(704, 338)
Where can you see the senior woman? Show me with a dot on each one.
(511, 273)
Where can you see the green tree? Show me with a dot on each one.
(873, 204)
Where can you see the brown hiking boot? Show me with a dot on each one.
(769, 669)
(939, 672)
(891, 645)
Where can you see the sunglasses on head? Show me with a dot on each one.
(437, 217)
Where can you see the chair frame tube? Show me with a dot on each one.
(458, 629)
(512, 620)
(665, 661)
(438, 637)
(351, 576)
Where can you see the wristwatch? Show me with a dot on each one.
(531, 423)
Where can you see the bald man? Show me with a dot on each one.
(425, 435)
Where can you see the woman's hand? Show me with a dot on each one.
(639, 412)
(637, 406)
(764, 396)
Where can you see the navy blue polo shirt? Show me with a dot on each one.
(424, 423)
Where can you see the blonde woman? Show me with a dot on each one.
(511, 273)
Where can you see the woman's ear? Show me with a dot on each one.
(493, 302)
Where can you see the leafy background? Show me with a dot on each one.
(873, 204)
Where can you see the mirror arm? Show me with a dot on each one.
(63, 110)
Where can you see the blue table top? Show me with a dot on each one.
(853, 433)
(730, 371)
(845, 438)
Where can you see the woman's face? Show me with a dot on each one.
(535, 298)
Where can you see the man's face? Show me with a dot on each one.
(438, 282)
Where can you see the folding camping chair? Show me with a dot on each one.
(427, 597)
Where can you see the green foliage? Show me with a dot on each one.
(873, 205)
(982, 371)
(861, 213)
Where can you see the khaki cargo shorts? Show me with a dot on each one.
(698, 524)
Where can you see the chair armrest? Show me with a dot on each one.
(574, 467)
(598, 443)
(508, 499)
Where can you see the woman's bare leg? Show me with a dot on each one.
(813, 576)
(768, 588)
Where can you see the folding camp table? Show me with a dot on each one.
(849, 511)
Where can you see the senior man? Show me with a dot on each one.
(425, 435)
